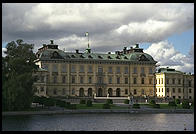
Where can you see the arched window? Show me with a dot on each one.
(55, 91)
(110, 91)
(90, 92)
(73, 91)
(81, 92)
(118, 92)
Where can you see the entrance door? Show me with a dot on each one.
(118, 92)
(100, 92)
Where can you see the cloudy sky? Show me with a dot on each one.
(165, 31)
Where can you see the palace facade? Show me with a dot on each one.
(124, 73)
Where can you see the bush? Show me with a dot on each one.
(136, 106)
(152, 102)
(109, 101)
(126, 101)
(61, 103)
(49, 102)
(89, 103)
(172, 103)
(177, 101)
(106, 106)
(71, 106)
(156, 106)
(185, 104)
(82, 102)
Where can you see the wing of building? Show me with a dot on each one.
(127, 72)
(171, 83)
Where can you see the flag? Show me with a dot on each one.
(86, 34)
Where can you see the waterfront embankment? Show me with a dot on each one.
(87, 111)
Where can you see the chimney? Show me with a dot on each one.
(124, 50)
(77, 51)
(51, 41)
(136, 45)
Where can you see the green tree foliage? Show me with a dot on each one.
(126, 101)
(109, 101)
(185, 104)
(177, 101)
(17, 78)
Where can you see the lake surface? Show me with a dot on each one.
(99, 122)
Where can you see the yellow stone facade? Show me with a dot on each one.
(174, 84)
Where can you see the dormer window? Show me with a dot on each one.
(117, 57)
(99, 57)
(73, 56)
(109, 57)
(125, 57)
(90, 56)
(82, 56)
(67, 56)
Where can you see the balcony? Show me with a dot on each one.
(142, 75)
(100, 73)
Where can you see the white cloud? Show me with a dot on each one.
(166, 55)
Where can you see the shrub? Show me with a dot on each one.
(126, 101)
(71, 106)
(106, 106)
(136, 106)
(61, 103)
(82, 102)
(89, 103)
(172, 103)
(109, 101)
(156, 106)
(185, 104)
(152, 102)
(177, 101)
(49, 102)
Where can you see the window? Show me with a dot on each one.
(142, 80)
(54, 91)
(100, 69)
(73, 91)
(73, 68)
(90, 70)
(189, 97)
(179, 97)
(90, 80)
(110, 80)
(174, 97)
(126, 80)
(126, 91)
(135, 91)
(54, 69)
(63, 79)
(81, 69)
(55, 79)
(179, 81)
(45, 66)
(135, 70)
(126, 70)
(167, 90)
(142, 70)
(162, 89)
(159, 90)
(117, 70)
(161, 80)
(118, 80)
(73, 79)
(63, 91)
(110, 70)
(173, 80)
(47, 78)
(179, 90)
(150, 70)
(42, 79)
(81, 79)
(99, 79)
(63, 68)
(167, 80)
(150, 81)
(42, 89)
(173, 90)
(189, 90)
(134, 80)
(189, 83)
(156, 90)
(142, 91)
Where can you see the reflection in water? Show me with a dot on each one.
(100, 122)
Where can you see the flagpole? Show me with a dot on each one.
(88, 40)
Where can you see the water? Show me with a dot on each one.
(99, 122)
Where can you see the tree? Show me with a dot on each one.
(17, 68)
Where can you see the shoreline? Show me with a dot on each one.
(97, 111)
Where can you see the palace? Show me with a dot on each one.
(127, 72)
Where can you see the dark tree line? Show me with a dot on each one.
(17, 76)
